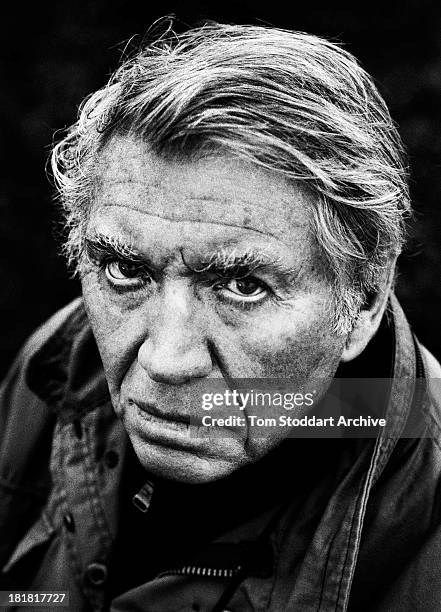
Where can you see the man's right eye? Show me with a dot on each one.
(126, 274)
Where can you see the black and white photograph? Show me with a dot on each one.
(220, 258)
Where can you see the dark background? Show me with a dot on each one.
(53, 53)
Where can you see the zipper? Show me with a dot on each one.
(198, 570)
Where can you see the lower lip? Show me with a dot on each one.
(164, 431)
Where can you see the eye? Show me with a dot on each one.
(247, 289)
(126, 273)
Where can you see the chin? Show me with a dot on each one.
(182, 466)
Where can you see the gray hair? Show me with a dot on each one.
(290, 102)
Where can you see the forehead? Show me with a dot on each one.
(221, 195)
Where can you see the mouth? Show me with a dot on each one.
(149, 410)
(165, 429)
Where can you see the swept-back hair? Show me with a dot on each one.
(293, 103)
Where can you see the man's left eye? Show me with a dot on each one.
(127, 274)
(245, 289)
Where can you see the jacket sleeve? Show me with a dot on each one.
(26, 428)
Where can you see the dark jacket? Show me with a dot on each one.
(319, 525)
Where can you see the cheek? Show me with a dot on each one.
(114, 330)
(100, 316)
(295, 344)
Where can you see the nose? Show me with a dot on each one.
(176, 348)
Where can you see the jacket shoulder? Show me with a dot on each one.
(24, 417)
(44, 332)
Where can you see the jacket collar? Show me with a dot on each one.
(401, 401)
(66, 372)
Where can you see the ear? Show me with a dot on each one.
(369, 318)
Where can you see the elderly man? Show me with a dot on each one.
(235, 202)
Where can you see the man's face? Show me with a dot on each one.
(201, 270)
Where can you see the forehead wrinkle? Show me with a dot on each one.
(152, 189)
(205, 222)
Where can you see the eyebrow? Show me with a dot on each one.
(99, 246)
(227, 263)
(236, 264)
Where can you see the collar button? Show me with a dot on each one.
(96, 574)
